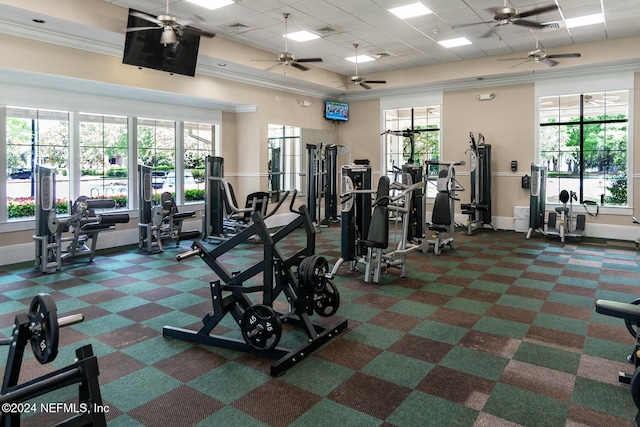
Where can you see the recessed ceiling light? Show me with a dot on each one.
(460, 41)
(212, 4)
(360, 58)
(581, 21)
(410, 10)
(301, 36)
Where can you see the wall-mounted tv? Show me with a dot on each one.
(143, 49)
(338, 111)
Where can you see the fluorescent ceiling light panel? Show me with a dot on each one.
(360, 58)
(460, 41)
(410, 10)
(581, 21)
(212, 4)
(301, 36)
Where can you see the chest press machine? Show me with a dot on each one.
(302, 279)
(60, 238)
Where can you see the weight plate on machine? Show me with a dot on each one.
(52, 222)
(631, 327)
(327, 301)
(319, 273)
(43, 324)
(261, 327)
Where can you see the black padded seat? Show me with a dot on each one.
(622, 310)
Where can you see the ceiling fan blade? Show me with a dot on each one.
(364, 85)
(549, 62)
(129, 30)
(565, 55)
(376, 81)
(538, 11)
(525, 23)
(198, 32)
(145, 17)
(298, 66)
(190, 20)
(520, 63)
(308, 59)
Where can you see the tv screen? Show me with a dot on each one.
(143, 49)
(338, 111)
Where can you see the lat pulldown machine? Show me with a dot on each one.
(302, 278)
(83, 224)
(479, 210)
(162, 221)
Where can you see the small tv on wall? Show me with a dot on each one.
(143, 49)
(337, 111)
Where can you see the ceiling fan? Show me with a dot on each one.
(506, 15)
(171, 26)
(540, 55)
(359, 80)
(287, 58)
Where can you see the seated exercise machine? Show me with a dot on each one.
(302, 279)
(377, 240)
(161, 221)
(630, 312)
(479, 209)
(222, 218)
(564, 226)
(443, 224)
(83, 224)
(40, 327)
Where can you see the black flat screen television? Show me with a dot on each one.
(338, 111)
(143, 49)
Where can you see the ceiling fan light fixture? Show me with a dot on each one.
(168, 36)
(301, 36)
(410, 10)
(212, 4)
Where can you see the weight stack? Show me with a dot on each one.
(417, 208)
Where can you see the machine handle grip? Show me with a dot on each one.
(293, 200)
(188, 254)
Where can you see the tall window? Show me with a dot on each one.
(157, 148)
(199, 142)
(35, 137)
(413, 137)
(285, 158)
(584, 144)
(103, 157)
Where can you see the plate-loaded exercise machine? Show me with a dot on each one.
(537, 199)
(83, 224)
(630, 313)
(479, 210)
(161, 221)
(302, 279)
(444, 205)
(40, 327)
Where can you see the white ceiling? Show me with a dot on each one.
(401, 44)
(404, 44)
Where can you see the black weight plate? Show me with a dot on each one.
(631, 327)
(327, 302)
(261, 327)
(635, 387)
(43, 324)
(320, 271)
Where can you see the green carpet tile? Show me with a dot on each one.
(499, 331)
